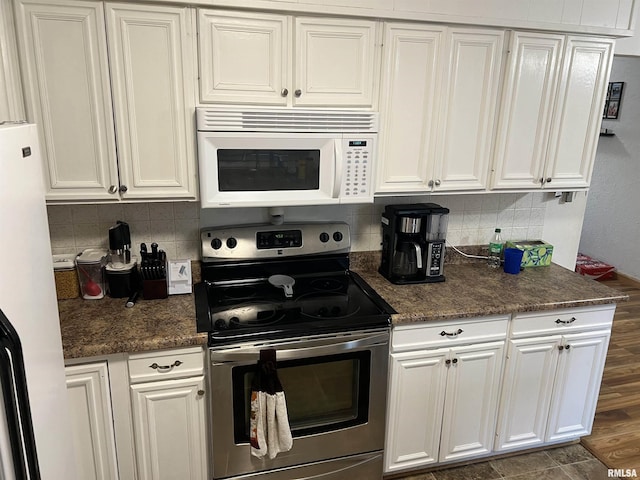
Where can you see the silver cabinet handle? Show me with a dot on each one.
(112, 189)
(430, 183)
(164, 368)
(438, 182)
(201, 393)
(298, 93)
(566, 322)
(447, 362)
(452, 334)
(284, 92)
(549, 179)
(455, 360)
(123, 188)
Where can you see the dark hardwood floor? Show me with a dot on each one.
(615, 438)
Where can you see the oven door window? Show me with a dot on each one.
(252, 170)
(322, 394)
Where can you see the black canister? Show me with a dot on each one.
(122, 282)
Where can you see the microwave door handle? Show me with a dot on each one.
(337, 178)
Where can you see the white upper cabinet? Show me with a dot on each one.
(408, 106)
(244, 57)
(257, 58)
(438, 101)
(68, 95)
(153, 82)
(531, 81)
(467, 112)
(576, 126)
(551, 111)
(136, 68)
(335, 62)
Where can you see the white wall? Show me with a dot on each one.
(612, 219)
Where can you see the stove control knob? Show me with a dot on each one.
(220, 324)
(232, 242)
(216, 243)
(337, 236)
(324, 237)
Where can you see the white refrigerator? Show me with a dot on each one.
(35, 433)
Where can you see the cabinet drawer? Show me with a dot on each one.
(167, 364)
(442, 334)
(560, 321)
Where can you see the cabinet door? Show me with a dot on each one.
(244, 57)
(63, 51)
(580, 367)
(335, 62)
(151, 52)
(526, 396)
(92, 421)
(170, 429)
(408, 107)
(576, 126)
(414, 418)
(530, 85)
(471, 400)
(469, 98)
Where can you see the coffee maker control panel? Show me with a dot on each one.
(435, 259)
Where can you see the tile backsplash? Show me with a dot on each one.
(175, 225)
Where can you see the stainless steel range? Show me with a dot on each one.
(289, 288)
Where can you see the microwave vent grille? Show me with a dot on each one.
(274, 120)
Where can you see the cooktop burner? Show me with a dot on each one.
(277, 294)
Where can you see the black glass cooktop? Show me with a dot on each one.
(243, 309)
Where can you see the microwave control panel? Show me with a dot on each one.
(357, 168)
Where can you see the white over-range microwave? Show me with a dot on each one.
(274, 157)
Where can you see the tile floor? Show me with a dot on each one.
(571, 462)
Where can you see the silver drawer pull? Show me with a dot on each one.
(164, 368)
(566, 322)
(454, 334)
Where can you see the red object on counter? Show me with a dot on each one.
(593, 268)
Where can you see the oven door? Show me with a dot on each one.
(268, 169)
(335, 387)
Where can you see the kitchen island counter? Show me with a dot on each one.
(474, 290)
(102, 327)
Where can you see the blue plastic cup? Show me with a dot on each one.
(512, 260)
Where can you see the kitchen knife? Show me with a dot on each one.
(154, 250)
(143, 252)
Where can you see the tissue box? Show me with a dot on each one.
(590, 267)
(537, 253)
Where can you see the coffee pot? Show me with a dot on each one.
(413, 243)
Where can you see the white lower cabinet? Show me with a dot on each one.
(140, 416)
(170, 429)
(92, 421)
(552, 377)
(444, 389)
(169, 420)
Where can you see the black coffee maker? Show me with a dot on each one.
(413, 243)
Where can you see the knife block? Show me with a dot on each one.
(153, 289)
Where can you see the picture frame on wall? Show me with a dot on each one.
(613, 101)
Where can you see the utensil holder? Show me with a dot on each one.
(153, 289)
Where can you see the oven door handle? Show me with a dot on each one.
(306, 348)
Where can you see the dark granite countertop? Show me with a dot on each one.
(472, 289)
(102, 327)
(106, 326)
